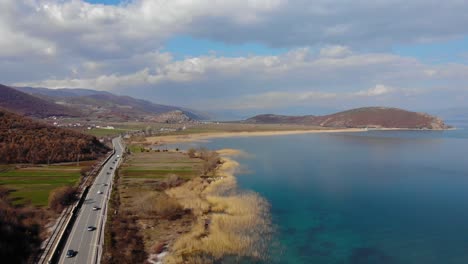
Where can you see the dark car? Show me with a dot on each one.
(71, 253)
(111, 168)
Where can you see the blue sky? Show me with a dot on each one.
(186, 46)
(241, 56)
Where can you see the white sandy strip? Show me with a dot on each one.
(205, 136)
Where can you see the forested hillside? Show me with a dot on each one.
(23, 140)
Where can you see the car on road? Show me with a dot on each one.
(99, 192)
(108, 172)
(105, 184)
(95, 208)
(70, 253)
(110, 168)
(91, 228)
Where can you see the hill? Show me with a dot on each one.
(372, 117)
(105, 105)
(23, 140)
(59, 92)
(25, 104)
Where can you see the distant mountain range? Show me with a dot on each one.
(24, 140)
(33, 106)
(370, 117)
(59, 92)
(91, 104)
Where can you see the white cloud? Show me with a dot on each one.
(293, 78)
(271, 100)
(90, 30)
(378, 90)
(335, 51)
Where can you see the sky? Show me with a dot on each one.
(242, 57)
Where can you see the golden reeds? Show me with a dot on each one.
(229, 222)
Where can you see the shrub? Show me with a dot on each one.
(85, 171)
(192, 153)
(61, 197)
(162, 205)
(173, 181)
(211, 161)
(20, 229)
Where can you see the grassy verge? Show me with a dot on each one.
(101, 132)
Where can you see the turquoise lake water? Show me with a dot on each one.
(377, 197)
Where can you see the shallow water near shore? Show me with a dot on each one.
(374, 197)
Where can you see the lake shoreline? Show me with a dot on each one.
(203, 137)
(229, 179)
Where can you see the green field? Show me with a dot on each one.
(33, 184)
(101, 132)
(159, 165)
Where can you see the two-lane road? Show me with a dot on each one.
(81, 240)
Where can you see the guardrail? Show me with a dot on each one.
(63, 227)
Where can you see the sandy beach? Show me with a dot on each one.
(171, 139)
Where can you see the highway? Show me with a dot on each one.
(87, 244)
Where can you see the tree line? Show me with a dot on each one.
(23, 140)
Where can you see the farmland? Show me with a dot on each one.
(143, 206)
(32, 184)
(102, 132)
(159, 165)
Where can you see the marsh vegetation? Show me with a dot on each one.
(188, 206)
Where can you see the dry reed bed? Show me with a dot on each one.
(229, 222)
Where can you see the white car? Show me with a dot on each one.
(95, 208)
(99, 192)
